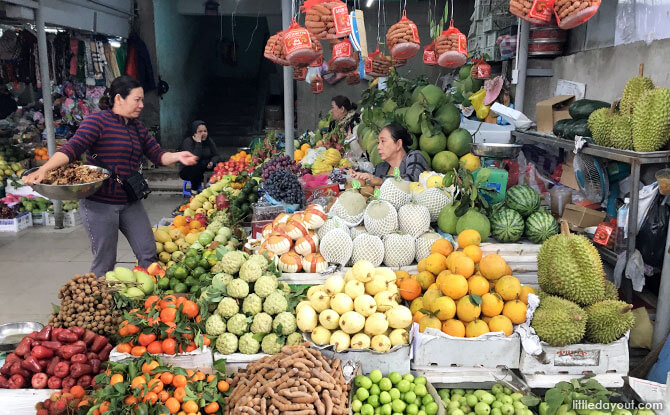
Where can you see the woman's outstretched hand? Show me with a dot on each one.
(184, 157)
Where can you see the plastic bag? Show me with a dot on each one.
(301, 49)
(572, 13)
(402, 38)
(275, 50)
(344, 58)
(327, 19)
(652, 234)
(451, 47)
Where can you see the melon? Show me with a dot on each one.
(329, 225)
(369, 248)
(399, 250)
(413, 219)
(434, 199)
(380, 218)
(336, 246)
(349, 207)
(357, 230)
(395, 191)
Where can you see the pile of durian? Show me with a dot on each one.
(577, 303)
(642, 122)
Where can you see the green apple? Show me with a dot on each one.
(363, 382)
(367, 409)
(375, 390)
(373, 400)
(385, 384)
(362, 394)
(420, 381)
(431, 408)
(404, 385)
(385, 398)
(398, 405)
(410, 397)
(412, 409)
(386, 409)
(376, 376)
(356, 405)
(395, 377)
(395, 394)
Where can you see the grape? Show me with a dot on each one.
(284, 186)
(280, 162)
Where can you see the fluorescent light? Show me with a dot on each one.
(369, 3)
(115, 43)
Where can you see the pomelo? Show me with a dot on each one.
(445, 161)
(432, 144)
(459, 141)
(432, 96)
(448, 219)
(473, 219)
(449, 117)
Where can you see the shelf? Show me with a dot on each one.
(609, 153)
(606, 254)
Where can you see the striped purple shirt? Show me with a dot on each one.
(118, 145)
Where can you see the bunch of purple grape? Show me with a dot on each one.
(7, 212)
(282, 162)
(337, 176)
(284, 186)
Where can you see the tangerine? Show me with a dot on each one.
(468, 237)
(442, 246)
(454, 328)
(409, 289)
(172, 405)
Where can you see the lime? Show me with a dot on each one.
(191, 262)
(163, 283)
(180, 273)
(192, 253)
(409, 377)
(173, 282)
(194, 289)
(190, 281)
(198, 271)
(170, 271)
(180, 288)
(205, 263)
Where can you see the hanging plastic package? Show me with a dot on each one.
(298, 44)
(429, 56)
(275, 50)
(377, 64)
(402, 38)
(316, 85)
(653, 232)
(537, 11)
(344, 58)
(480, 70)
(451, 47)
(318, 61)
(353, 78)
(327, 19)
(299, 74)
(396, 63)
(572, 13)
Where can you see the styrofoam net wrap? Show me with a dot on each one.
(368, 247)
(357, 230)
(434, 199)
(336, 246)
(396, 192)
(414, 219)
(330, 224)
(377, 224)
(399, 250)
(349, 207)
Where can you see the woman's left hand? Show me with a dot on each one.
(362, 176)
(186, 158)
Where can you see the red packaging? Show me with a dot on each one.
(298, 45)
(481, 69)
(377, 64)
(316, 85)
(275, 50)
(429, 56)
(327, 19)
(572, 13)
(538, 12)
(299, 74)
(451, 47)
(353, 78)
(606, 234)
(344, 58)
(317, 62)
(341, 19)
(402, 38)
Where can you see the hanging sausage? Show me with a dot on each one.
(402, 38)
(327, 19)
(451, 47)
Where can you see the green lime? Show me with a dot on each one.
(420, 380)
(180, 273)
(180, 288)
(198, 271)
(386, 409)
(194, 289)
(190, 281)
(163, 283)
(409, 377)
(191, 262)
(173, 282)
(404, 385)
(420, 390)
(385, 397)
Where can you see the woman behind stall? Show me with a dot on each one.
(393, 147)
(344, 114)
(203, 148)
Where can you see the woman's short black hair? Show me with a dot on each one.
(398, 132)
(195, 125)
(343, 102)
(120, 86)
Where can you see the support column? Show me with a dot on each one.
(288, 85)
(46, 98)
(521, 65)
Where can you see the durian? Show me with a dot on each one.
(633, 90)
(621, 131)
(608, 321)
(600, 124)
(611, 291)
(559, 322)
(570, 266)
(651, 120)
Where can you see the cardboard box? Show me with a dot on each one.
(568, 177)
(551, 110)
(580, 218)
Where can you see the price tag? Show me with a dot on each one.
(355, 184)
(462, 44)
(342, 50)
(429, 57)
(542, 10)
(341, 20)
(577, 358)
(396, 172)
(415, 33)
(368, 65)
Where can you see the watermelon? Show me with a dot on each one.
(507, 225)
(524, 199)
(540, 226)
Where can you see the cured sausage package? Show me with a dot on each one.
(429, 55)
(402, 38)
(327, 19)
(534, 11)
(275, 50)
(377, 64)
(344, 59)
(300, 45)
(572, 13)
(451, 48)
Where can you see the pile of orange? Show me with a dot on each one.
(41, 153)
(180, 223)
(182, 392)
(241, 156)
(167, 325)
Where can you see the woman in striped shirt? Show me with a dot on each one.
(116, 138)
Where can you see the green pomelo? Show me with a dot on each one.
(449, 117)
(389, 105)
(459, 141)
(413, 118)
(445, 161)
(473, 219)
(448, 219)
(432, 96)
(432, 144)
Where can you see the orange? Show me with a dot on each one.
(463, 265)
(212, 408)
(436, 263)
(172, 326)
(184, 229)
(195, 224)
(206, 340)
(409, 289)
(137, 381)
(155, 347)
(508, 287)
(525, 290)
(104, 407)
(150, 397)
(116, 378)
(179, 381)
(492, 267)
(210, 378)
(501, 323)
(150, 302)
(473, 252)
(166, 378)
(492, 304)
(148, 367)
(172, 405)
(400, 275)
(190, 308)
(179, 394)
(515, 311)
(132, 329)
(169, 346)
(425, 279)
(454, 328)
(77, 391)
(469, 237)
(418, 316)
(189, 373)
(179, 220)
(454, 286)
(146, 339)
(223, 386)
(478, 285)
(476, 328)
(167, 301)
(190, 407)
(442, 246)
(138, 351)
(467, 309)
(163, 396)
(155, 385)
(168, 315)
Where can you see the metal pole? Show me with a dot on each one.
(521, 65)
(288, 85)
(46, 98)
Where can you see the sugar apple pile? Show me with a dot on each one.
(247, 304)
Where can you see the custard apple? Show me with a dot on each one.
(253, 304)
(237, 324)
(287, 322)
(215, 325)
(232, 261)
(223, 278)
(265, 285)
(262, 323)
(248, 345)
(284, 287)
(260, 260)
(270, 344)
(227, 307)
(250, 271)
(294, 339)
(275, 303)
(238, 288)
(226, 343)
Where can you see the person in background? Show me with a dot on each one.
(393, 147)
(344, 114)
(114, 137)
(203, 148)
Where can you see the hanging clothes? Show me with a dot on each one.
(112, 64)
(131, 61)
(144, 72)
(121, 57)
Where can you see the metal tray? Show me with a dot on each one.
(499, 151)
(69, 191)
(12, 333)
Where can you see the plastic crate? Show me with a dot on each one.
(22, 221)
(70, 219)
(39, 219)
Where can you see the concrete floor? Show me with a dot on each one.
(37, 261)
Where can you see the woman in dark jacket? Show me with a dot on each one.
(114, 137)
(203, 148)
